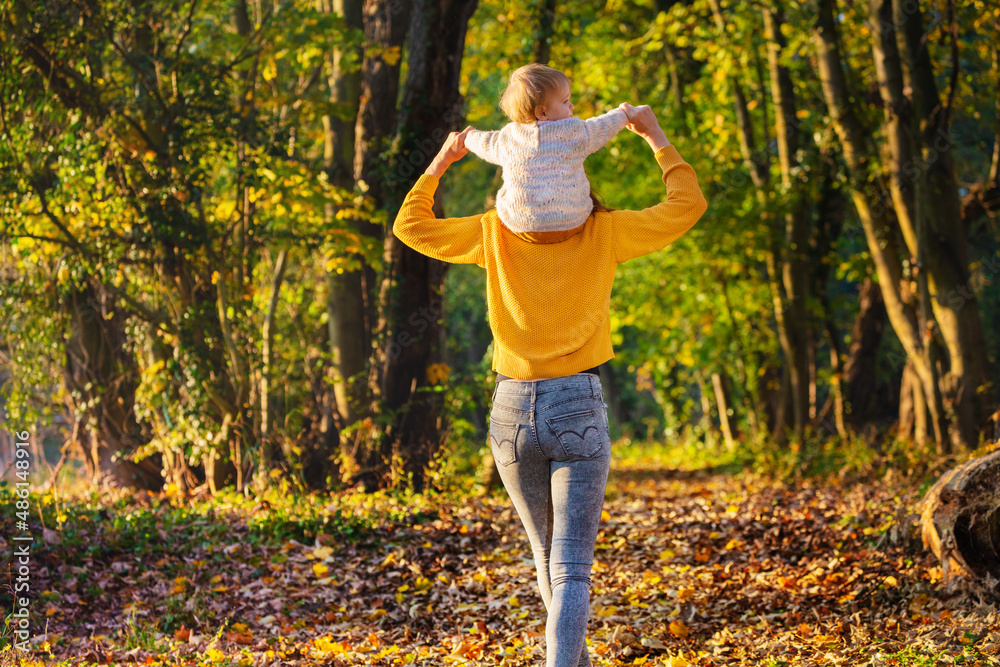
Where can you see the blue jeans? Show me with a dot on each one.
(551, 444)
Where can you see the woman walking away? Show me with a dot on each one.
(548, 296)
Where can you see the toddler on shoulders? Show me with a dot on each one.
(545, 188)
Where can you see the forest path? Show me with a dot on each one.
(703, 568)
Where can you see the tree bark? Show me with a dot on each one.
(859, 369)
(101, 385)
(791, 256)
(874, 214)
(350, 292)
(912, 406)
(925, 197)
(960, 521)
(410, 335)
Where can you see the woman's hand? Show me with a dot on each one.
(452, 151)
(642, 121)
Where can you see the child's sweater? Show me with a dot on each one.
(549, 302)
(545, 188)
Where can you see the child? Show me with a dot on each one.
(542, 152)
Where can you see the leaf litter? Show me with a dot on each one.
(692, 568)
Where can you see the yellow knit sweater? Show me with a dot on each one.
(549, 301)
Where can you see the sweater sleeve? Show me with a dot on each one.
(454, 240)
(638, 233)
(487, 145)
(601, 129)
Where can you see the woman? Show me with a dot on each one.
(548, 297)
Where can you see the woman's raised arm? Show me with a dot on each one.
(639, 233)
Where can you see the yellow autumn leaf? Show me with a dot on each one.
(391, 56)
(216, 656)
(678, 629)
(320, 570)
(322, 553)
(513, 601)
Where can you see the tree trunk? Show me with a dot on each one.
(874, 215)
(859, 370)
(352, 297)
(722, 401)
(912, 406)
(267, 339)
(831, 210)
(544, 31)
(101, 384)
(790, 258)
(925, 196)
(350, 291)
(410, 335)
(960, 521)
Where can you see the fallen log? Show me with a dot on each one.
(960, 522)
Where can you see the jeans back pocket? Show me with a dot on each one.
(579, 434)
(503, 439)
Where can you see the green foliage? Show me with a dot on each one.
(163, 164)
(158, 158)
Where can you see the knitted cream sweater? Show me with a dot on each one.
(545, 188)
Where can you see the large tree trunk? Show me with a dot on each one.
(350, 295)
(100, 381)
(925, 197)
(879, 225)
(385, 25)
(410, 334)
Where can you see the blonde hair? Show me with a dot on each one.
(527, 88)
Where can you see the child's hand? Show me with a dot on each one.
(628, 109)
(643, 122)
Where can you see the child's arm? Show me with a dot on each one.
(455, 240)
(486, 145)
(600, 129)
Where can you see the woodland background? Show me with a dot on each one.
(258, 421)
(200, 284)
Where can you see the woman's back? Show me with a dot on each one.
(549, 302)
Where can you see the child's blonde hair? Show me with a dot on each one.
(527, 88)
